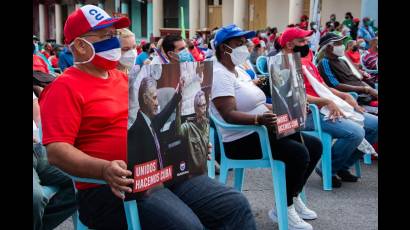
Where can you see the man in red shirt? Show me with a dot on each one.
(84, 117)
(348, 133)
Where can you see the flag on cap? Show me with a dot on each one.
(88, 18)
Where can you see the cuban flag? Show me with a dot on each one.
(107, 52)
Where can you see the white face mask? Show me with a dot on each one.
(128, 58)
(314, 27)
(239, 54)
(339, 50)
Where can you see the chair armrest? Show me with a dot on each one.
(261, 130)
(316, 118)
(87, 180)
(354, 95)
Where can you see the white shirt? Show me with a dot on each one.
(314, 41)
(36, 133)
(249, 98)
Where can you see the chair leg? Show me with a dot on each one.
(211, 168)
(303, 196)
(78, 225)
(223, 174)
(131, 213)
(327, 163)
(367, 158)
(279, 187)
(238, 178)
(358, 170)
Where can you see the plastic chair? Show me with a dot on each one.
(211, 162)
(130, 208)
(278, 167)
(262, 66)
(326, 139)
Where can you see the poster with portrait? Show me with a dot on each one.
(288, 93)
(168, 126)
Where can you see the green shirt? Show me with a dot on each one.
(195, 136)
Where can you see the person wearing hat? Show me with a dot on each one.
(241, 102)
(84, 120)
(336, 72)
(257, 50)
(339, 124)
(366, 31)
(355, 28)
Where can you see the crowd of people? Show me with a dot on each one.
(80, 116)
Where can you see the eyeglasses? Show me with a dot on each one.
(107, 35)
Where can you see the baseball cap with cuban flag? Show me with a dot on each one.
(89, 18)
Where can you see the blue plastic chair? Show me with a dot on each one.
(262, 65)
(211, 162)
(326, 139)
(130, 208)
(278, 167)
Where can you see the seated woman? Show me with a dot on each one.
(241, 102)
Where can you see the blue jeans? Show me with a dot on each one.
(48, 214)
(197, 203)
(349, 135)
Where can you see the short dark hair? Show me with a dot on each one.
(168, 42)
(146, 47)
(349, 14)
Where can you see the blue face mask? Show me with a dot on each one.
(185, 56)
(36, 49)
(363, 45)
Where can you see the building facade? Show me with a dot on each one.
(148, 17)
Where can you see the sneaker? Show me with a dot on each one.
(303, 211)
(336, 183)
(294, 221)
(345, 175)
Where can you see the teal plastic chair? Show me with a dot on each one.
(211, 162)
(278, 167)
(326, 139)
(262, 65)
(130, 208)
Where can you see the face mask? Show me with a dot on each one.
(239, 54)
(339, 50)
(106, 53)
(36, 49)
(128, 58)
(185, 56)
(303, 50)
(363, 45)
(314, 27)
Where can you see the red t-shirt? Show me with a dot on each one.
(88, 112)
(354, 56)
(39, 64)
(54, 61)
(306, 61)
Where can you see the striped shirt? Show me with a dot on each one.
(370, 60)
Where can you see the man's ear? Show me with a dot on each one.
(79, 45)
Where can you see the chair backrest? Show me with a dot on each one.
(261, 64)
